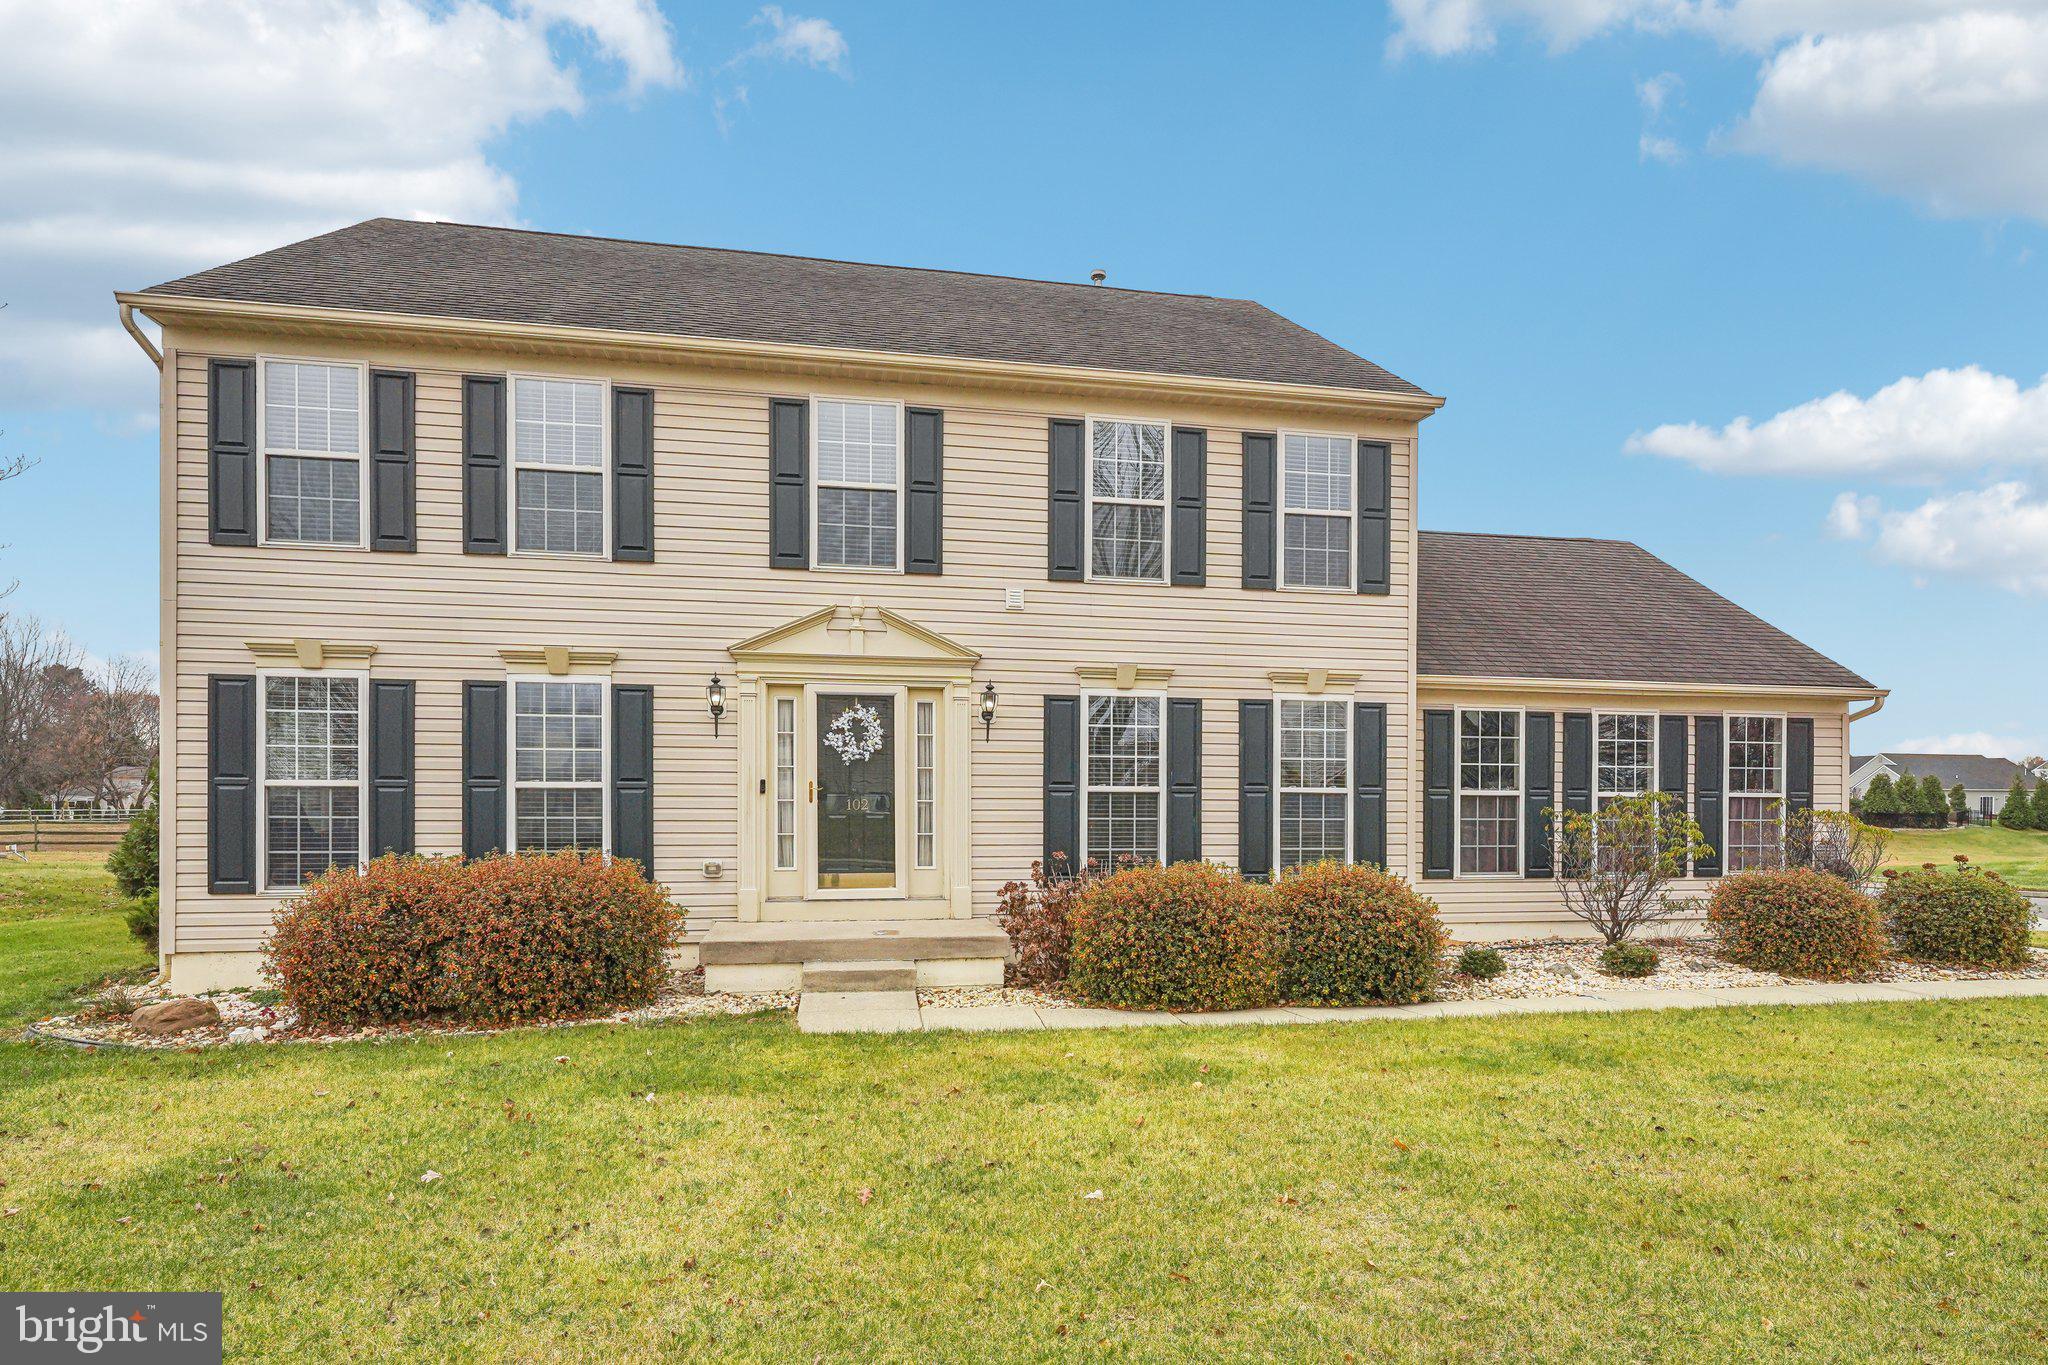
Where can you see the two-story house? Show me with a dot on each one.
(837, 594)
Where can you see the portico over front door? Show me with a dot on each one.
(854, 790)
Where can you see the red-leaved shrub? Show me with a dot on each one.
(1036, 915)
(1191, 936)
(1797, 922)
(556, 935)
(502, 939)
(1350, 933)
(364, 947)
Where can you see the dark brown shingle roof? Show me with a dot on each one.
(1537, 607)
(506, 275)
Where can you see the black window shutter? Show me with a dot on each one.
(391, 767)
(1183, 779)
(231, 452)
(1261, 535)
(1707, 780)
(1539, 793)
(789, 483)
(1062, 763)
(231, 785)
(1190, 506)
(1439, 777)
(392, 461)
(1375, 517)
(1255, 788)
(1799, 763)
(1578, 761)
(924, 490)
(1066, 534)
(633, 475)
(485, 478)
(633, 775)
(483, 769)
(1369, 783)
(1671, 757)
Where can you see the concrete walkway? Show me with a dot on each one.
(898, 1011)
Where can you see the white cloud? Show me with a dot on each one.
(1442, 27)
(1996, 535)
(150, 137)
(1851, 515)
(1915, 429)
(792, 37)
(1658, 91)
(1656, 95)
(2014, 747)
(1942, 102)
(1951, 113)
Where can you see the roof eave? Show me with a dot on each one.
(1837, 690)
(722, 352)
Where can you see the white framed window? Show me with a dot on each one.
(785, 783)
(1123, 773)
(1314, 809)
(561, 764)
(857, 503)
(1756, 791)
(311, 772)
(1127, 481)
(1624, 755)
(925, 728)
(311, 427)
(1318, 510)
(561, 462)
(1489, 793)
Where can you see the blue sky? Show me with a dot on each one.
(1580, 222)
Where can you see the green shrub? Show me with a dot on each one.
(1933, 800)
(2018, 811)
(1191, 936)
(1482, 964)
(503, 939)
(2041, 804)
(141, 916)
(1797, 922)
(1628, 959)
(1350, 933)
(1881, 797)
(1959, 915)
(134, 860)
(1958, 803)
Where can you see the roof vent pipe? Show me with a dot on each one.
(1097, 276)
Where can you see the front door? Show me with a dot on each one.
(856, 808)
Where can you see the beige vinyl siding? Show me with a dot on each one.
(439, 616)
(1509, 908)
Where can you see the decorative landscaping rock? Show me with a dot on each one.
(248, 1034)
(175, 1016)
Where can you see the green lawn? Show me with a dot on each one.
(2018, 855)
(1825, 1183)
(59, 927)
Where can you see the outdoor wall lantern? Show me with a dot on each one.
(714, 697)
(988, 710)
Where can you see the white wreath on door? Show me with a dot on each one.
(842, 739)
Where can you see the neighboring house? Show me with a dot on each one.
(128, 781)
(1986, 780)
(840, 593)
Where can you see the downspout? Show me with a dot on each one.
(1876, 705)
(149, 349)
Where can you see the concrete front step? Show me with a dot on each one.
(775, 955)
(860, 976)
(857, 1012)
